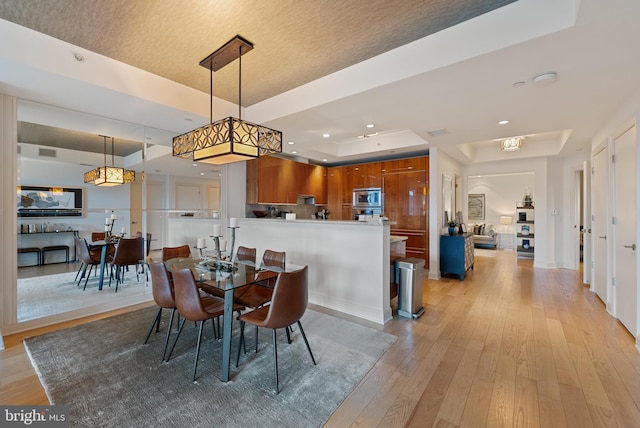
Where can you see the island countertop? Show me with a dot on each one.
(314, 221)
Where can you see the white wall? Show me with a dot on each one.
(540, 168)
(501, 194)
(439, 164)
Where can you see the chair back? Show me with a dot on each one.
(129, 252)
(289, 300)
(82, 251)
(98, 236)
(161, 286)
(246, 254)
(187, 296)
(274, 258)
(173, 252)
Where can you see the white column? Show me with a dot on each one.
(8, 223)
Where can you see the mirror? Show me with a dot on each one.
(447, 200)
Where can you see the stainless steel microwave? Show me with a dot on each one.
(368, 198)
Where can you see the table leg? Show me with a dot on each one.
(103, 258)
(226, 334)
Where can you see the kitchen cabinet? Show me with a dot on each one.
(272, 180)
(405, 199)
(366, 175)
(456, 254)
(405, 187)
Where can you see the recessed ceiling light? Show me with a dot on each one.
(188, 119)
(326, 135)
(324, 160)
(503, 122)
(519, 84)
(294, 152)
(371, 125)
(195, 164)
(202, 173)
(78, 57)
(546, 78)
(291, 143)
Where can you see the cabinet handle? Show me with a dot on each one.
(603, 237)
(632, 246)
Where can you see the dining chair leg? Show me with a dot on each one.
(84, 272)
(306, 342)
(82, 265)
(87, 278)
(176, 340)
(166, 341)
(288, 335)
(256, 339)
(156, 324)
(275, 360)
(195, 363)
(240, 343)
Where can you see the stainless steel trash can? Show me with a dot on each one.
(409, 274)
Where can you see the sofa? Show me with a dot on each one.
(484, 235)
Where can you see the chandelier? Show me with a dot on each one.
(109, 175)
(230, 139)
(511, 144)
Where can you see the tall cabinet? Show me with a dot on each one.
(525, 231)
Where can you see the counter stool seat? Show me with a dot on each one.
(37, 250)
(64, 248)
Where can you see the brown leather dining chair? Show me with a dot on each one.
(129, 252)
(194, 307)
(243, 254)
(255, 295)
(174, 252)
(162, 290)
(288, 304)
(101, 236)
(86, 260)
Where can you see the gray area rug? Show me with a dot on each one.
(109, 378)
(63, 295)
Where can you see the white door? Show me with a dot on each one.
(599, 225)
(586, 222)
(625, 270)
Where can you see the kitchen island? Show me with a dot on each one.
(348, 260)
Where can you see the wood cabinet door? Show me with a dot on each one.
(334, 192)
(318, 183)
(373, 174)
(347, 184)
(405, 199)
(276, 181)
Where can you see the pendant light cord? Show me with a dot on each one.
(240, 82)
(112, 155)
(105, 150)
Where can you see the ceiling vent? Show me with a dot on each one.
(437, 132)
(48, 153)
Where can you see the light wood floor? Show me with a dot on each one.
(508, 346)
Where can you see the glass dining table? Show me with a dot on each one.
(227, 277)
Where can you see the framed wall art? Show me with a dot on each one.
(475, 206)
(38, 201)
